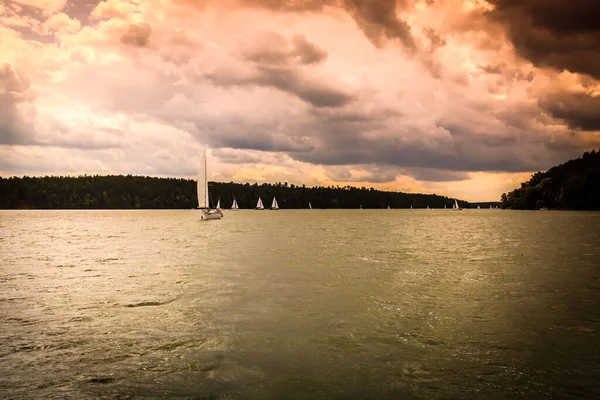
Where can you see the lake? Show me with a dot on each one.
(300, 304)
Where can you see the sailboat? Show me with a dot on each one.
(455, 207)
(219, 204)
(203, 201)
(274, 205)
(234, 206)
(309, 205)
(411, 206)
(259, 205)
(389, 208)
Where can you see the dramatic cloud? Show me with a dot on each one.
(554, 33)
(459, 97)
(379, 20)
(578, 110)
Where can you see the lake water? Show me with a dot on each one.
(300, 304)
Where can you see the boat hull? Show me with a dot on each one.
(206, 215)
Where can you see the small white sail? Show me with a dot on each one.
(274, 205)
(219, 203)
(259, 205)
(411, 206)
(235, 206)
(389, 208)
(309, 205)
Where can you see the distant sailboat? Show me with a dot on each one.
(389, 208)
(361, 206)
(234, 206)
(455, 207)
(309, 205)
(274, 205)
(478, 207)
(203, 201)
(219, 204)
(411, 206)
(444, 206)
(259, 205)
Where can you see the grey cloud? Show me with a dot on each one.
(239, 133)
(137, 35)
(371, 173)
(272, 49)
(378, 19)
(309, 53)
(578, 110)
(287, 80)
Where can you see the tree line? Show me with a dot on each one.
(573, 185)
(144, 192)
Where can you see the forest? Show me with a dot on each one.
(139, 192)
(573, 185)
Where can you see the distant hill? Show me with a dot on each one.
(131, 192)
(574, 185)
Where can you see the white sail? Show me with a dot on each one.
(203, 202)
(259, 205)
(218, 203)
(274, 205)
(235, 206)
(202, 182)
(389, 208)
(455, 206)
(309, 205)
(411, 206)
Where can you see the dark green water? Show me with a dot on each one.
(337, 304)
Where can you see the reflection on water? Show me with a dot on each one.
(299, 304)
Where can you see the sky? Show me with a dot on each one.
(462, 98)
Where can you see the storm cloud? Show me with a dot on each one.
(553, 33)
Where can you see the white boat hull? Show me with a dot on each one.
(211, 215)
